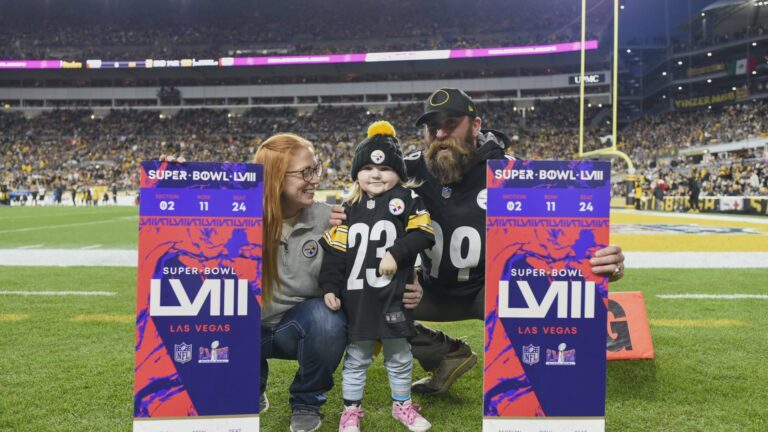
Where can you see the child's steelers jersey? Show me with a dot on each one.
(395, 221)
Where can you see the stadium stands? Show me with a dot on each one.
(49, 141)
(107, 30)
(77, 147)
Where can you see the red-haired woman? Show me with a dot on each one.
(295, 323)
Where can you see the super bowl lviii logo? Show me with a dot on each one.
(198, 295)
(543, 303)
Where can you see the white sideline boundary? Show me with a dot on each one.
(47, 227)
(129, 258)
(59, 293)
(722, 217)
(692, 260)
(714, 296)
(69, 257)
(34, 246)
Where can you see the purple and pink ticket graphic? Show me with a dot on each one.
(199, 291)
(545, 310)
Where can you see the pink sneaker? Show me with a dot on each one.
(408, 414)
(350, 419)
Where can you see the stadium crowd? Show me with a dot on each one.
(66, 148)
(291, 27)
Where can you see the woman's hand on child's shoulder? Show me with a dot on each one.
(338, 216)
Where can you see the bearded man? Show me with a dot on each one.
(451, 282)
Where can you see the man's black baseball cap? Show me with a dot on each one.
(448, 101)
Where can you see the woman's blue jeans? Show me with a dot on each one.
(313, 335)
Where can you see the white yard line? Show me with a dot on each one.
(59, 293)
(35, 246)
(69, 257)
(743, 219)
(714, 296)
(696, 259)
(69, 211)
(96, 246)
(46, 227)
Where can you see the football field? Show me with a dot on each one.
(67, 304)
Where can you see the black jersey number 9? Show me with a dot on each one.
(365, 234)
(463, 263)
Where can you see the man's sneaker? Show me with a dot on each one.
(305, 420)
(350, 419)
(408, 414)
(454, 365)
(263, 403)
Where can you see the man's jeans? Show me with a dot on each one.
(315, 336)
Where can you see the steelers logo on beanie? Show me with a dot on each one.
(380, 148)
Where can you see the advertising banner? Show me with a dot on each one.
(731, 204)
(546, 312)
(713, 99)
(590, 78)
(704, 70)
(199, 288)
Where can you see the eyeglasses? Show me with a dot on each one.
(308, 173)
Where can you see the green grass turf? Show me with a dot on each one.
(59, 375)
(69, 227)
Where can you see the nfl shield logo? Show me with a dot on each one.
(530, 354)
(370, 204)
(446, 192)
(182, 353)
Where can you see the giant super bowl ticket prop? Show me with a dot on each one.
(199, 290)
(545, 322)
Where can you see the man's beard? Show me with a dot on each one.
(449, 166)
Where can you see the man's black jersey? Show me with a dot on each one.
(456, 263)
(395, 221)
